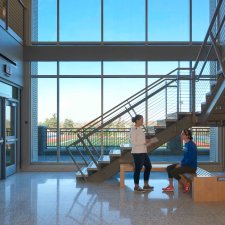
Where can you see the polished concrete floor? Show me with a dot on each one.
(52, 198)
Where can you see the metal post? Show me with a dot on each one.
(193, 94)
(178, 92)
(166, 100)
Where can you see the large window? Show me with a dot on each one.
(103, 21)
(68, 95)
(44, 29)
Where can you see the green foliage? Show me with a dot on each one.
(68, 123)
(51, 122)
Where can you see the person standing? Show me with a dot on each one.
(187, 165)
(139, 152)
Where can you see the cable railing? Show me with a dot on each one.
(129, 104)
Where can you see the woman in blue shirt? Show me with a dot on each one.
(187, 165)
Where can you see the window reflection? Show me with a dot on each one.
(9, 121)
(10, 154)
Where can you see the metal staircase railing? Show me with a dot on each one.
(185, 91)
(211, 41)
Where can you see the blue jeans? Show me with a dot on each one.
(140, 160)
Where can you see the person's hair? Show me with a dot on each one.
(137, 117)
(188, 133)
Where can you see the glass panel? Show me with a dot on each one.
(5, 90)
(44, 28)
(44, 68)
(80, 102)
(9, 121)
(80, 68)
(126, 87)
(80, 20)
(8, 91)
(168, 22)
(200, 19)
(44, 117)
(124, 68)
(10, 154)
(162, 68)
(124, 20)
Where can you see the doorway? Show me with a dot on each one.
(8, 136)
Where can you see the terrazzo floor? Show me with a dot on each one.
(50, 198)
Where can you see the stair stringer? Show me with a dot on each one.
(212, 112)
(111, 169)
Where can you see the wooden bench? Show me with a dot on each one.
(206, 187)
(129, 167)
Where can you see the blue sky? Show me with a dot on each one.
(123, 20)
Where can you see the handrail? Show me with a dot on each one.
(208, 35)
(122, 106)
(137, 94)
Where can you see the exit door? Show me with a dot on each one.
(8, 136)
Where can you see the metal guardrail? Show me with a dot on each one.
(111, 137)
(114, 137)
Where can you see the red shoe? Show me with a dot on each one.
(168, 189)
(187, 188)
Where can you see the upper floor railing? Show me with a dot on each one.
(12, 17)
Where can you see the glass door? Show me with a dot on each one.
(1, 138)
(9, 136)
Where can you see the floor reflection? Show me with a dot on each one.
(57, 198)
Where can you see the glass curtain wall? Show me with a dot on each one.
(131, 21)
(67, 95)
(79, 92)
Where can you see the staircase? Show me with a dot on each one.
(165, 103)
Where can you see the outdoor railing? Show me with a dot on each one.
(114, 137)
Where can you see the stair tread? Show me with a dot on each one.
(125, 147)
(84, 171)
(170, 119)
(92, 166)
(160, 126)
(115, 152)
(104, 159)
